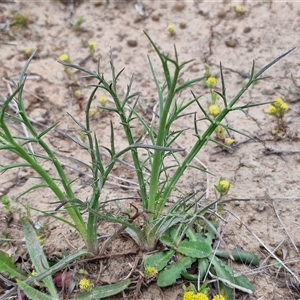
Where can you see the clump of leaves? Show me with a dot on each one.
(19, 20)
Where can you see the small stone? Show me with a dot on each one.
(179, 6)
(132, 43)
(40, 115)
(247, 29)
(221, 14)
(182, 25)
(231, 43)
(155, 17)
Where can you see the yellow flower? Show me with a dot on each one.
(188, 295)
(34, 272)
(171, 29)
(102, 101)
(214, 110)
(271, 110)
(284, 106)
(200, 296)
(85, 285)
(41, 240)
(64, 58)
(211, 82)
(219, 297)
(92, 46)
(93, 112)
(150, 271)
(228, 141)
(27, 52)
(224, 184)
(278, 101)
(239, 10)
(78, 94)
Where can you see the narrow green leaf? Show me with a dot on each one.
(196, 249)
(169, 276)
(7, 265)
(159, 260)
(32, 293)
(104, 291)
(37, 255)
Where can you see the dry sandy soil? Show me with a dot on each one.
(264, 214)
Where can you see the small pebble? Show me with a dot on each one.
(179, 6)
(132, 43)
(182, 25)
(231, 43)
(155, 17)
(247, 29)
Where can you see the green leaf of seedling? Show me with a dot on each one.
(168, 276)
(229, 277)
(32, 293)
(104, 291)
(159, 260)
(37, 256)
(196, 249)
(243, 256)
(7, 265)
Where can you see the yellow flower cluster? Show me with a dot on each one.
(92, 47)
(190, 295)
(219, 297)
(64, 58)
(150, 271)
(102, 101)
(214, 110)
(171, 29)
(278, 108)
(85, 285)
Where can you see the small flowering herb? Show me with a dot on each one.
(171, 29)
(150, 271)
(85, 285)
(278, 109)
(102, 101)
(223, 187)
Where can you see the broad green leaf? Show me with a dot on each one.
(32, 293)
(245, 257)
(7, 265)
(37, 256)
(170, 275)
(168, 241)
(104, 291)
(229, 277)
(159, 260)
(196, 249)
(203, 264)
